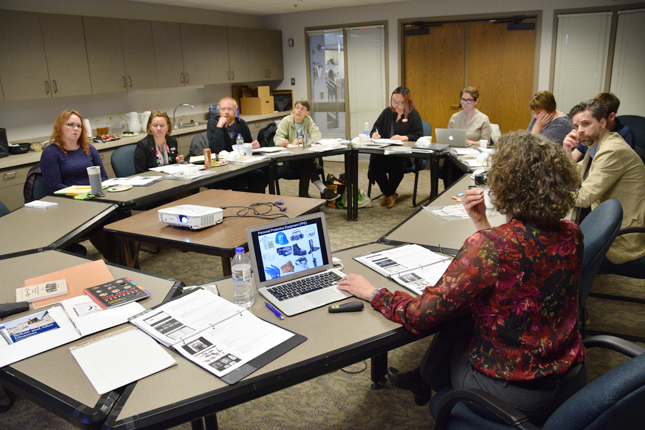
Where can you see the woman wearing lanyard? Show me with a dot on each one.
(157, 148)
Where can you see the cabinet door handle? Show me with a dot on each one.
(125, 82)
(233, 72)
(269, 73)
(47, 87)
(187, 78)
(9, 175)
(229, 75)
(182, 78)
(55, 86)
(130, 79)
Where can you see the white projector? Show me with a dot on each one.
(191, 216)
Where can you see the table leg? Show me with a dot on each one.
(351, 175)
(379, 369)
(209, 422)
(273, 175)
(226, 265)
(434, 177)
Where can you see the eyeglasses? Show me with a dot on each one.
(300, 108)
(468, 101)
(72, 126)
(397, 103)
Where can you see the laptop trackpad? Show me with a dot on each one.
(323, 297)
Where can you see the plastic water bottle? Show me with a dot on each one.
(242, 279)
(366, 129)
(239, 144)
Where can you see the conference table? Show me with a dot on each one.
(138, 197)
(28, 229)
(185, 392)
(53, 379)
(437, 233)
(219, 240)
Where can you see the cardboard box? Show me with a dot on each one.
(257, 105)
(256, 91)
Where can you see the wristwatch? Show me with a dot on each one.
(376, 290)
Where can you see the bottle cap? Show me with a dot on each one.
(239, 249)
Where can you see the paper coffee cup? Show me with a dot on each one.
(483, 143)
(248, 149)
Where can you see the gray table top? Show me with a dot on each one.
(326, 333)
(26, 228)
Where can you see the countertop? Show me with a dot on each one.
(32, 157)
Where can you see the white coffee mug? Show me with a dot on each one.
(483, 143)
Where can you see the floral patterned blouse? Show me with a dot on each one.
(521, 283)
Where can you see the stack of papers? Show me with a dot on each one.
(269, 149)
(40, 204)
(411, 266)
(388, 141)
(171, 169)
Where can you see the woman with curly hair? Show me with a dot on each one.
(510, 297)
(65, 161)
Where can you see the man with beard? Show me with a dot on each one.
(610, 170)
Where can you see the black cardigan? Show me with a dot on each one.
(412, 128)
(145, 154)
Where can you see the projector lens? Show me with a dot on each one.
(183, 219)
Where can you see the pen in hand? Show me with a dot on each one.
(274, 310)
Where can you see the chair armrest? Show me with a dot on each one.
(614, 343)
(631, 230)
(494, 405)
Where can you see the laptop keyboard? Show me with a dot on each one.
(303, 286)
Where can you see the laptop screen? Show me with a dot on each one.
(291, 247)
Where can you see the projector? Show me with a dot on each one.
(191, 216)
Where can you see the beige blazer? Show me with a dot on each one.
(478, 127)
(616, 172)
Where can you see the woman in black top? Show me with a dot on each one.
(157, 148)
(399, 121)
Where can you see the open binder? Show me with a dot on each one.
(217, 335)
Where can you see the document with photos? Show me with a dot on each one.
(210, 331)
(135, 181)
(412, 266)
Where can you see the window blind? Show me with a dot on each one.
(582, 45)
(629, 62)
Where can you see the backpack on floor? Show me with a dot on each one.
(266, 134)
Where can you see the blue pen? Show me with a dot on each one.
(274, 310)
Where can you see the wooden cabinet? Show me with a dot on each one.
(265, 54)
(105, 54)
(43, 55)
(193, 48)
(12, 181)
(138, 54)
(217, 54)
(238, 54)
(169, 61)
(64, 40)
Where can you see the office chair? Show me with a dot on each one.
(35, 187)
(418, 165)
(637, 125)
(614, 400)
(599, 228)
(197, 145)
(3, 209)
(285, 172)
(122, 161)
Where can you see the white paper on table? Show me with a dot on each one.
(388, 141)
(135, 181)
(332, 142)
(269, 149)
(92, 321)
(402, 258)
(177, 168)
(466, 151)
(65, 333)
(416, 280)
(121, 358)
(247, 159)
(402, 150)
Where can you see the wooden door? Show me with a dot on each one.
(139, 54)
(23, 68)
(500, 65)
(104, 54)
(64, 41)
(435, 70)
(168, 55)
(238, 54)
(217, 54)
(193, 46)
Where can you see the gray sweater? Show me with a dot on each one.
(556, 130)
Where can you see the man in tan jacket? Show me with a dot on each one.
(610, 170)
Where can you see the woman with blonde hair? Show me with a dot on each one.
(65, 160)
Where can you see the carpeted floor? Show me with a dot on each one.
(344, 399)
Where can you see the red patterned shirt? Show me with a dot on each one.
(521, 283)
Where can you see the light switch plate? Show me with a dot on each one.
(293, 81)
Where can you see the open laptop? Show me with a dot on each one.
(450, 136)
(293, 265)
